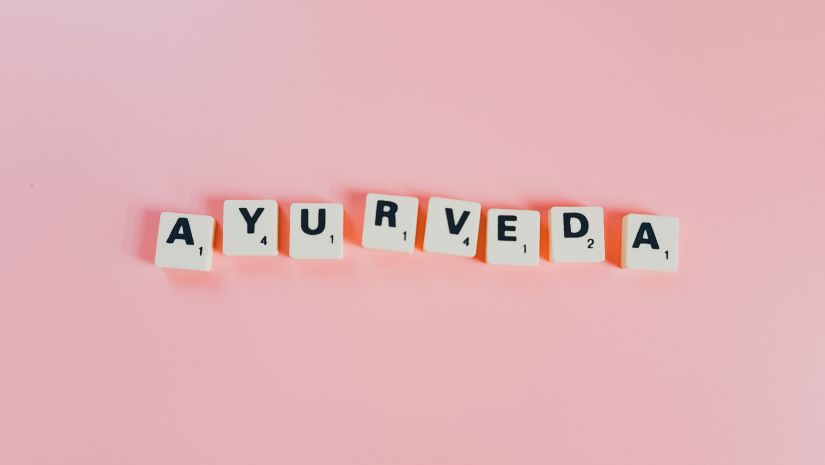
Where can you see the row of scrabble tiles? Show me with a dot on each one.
(316, 231)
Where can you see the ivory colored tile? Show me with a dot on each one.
(250, 227)
(650, 242)
(513, 237)
(316, 231)
(576, 234)
(389, 222)
(185, 241)
(452, 227)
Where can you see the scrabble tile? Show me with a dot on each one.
(452, 227)
(316, 231)
(389, 222)
(650, 242)
(185, 241)
(576, 234)
(513, 237)
(250, 227)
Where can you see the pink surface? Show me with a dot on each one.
(711, 111)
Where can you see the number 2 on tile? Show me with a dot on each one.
(590, 243)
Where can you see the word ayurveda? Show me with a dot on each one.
(316, 231)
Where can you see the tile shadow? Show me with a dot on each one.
(354, 215)
(543, 206)
(147, 234)
(613, 232)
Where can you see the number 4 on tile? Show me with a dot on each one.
(250, 228)
(452, 227)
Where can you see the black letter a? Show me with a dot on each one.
(181, 230)
(645, 229)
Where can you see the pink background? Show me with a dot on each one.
(711, 111)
